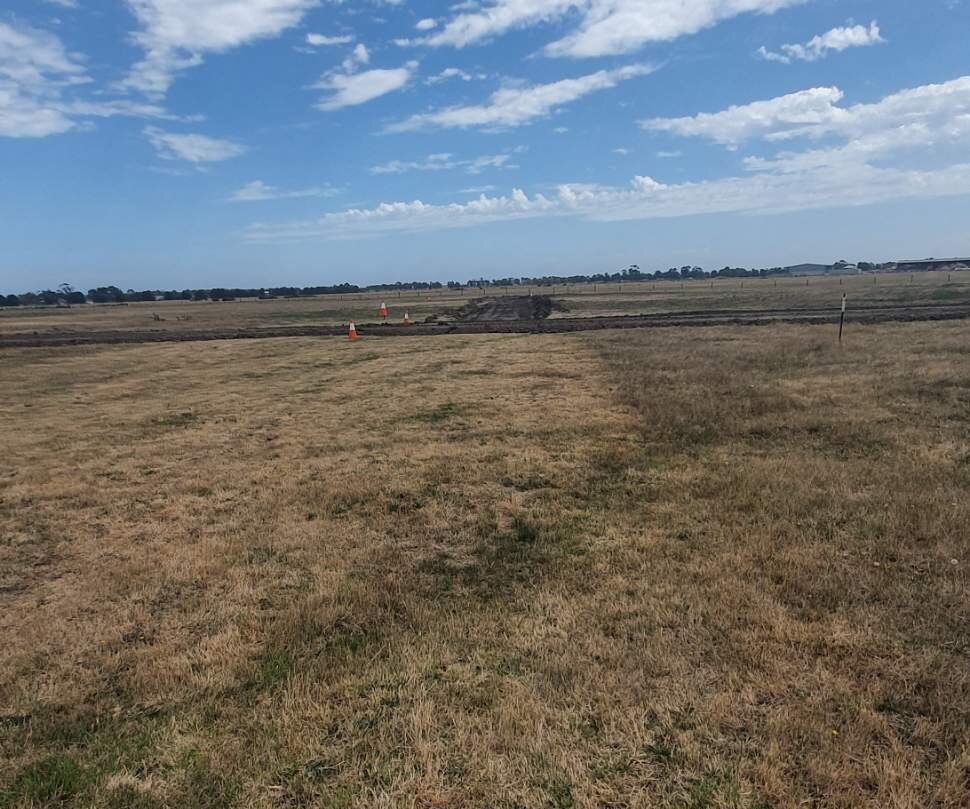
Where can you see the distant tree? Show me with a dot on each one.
(109, 294)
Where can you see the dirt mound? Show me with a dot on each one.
(524, 307)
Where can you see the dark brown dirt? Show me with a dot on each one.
(722, 317)
(523, 307)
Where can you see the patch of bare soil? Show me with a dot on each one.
(524, 307)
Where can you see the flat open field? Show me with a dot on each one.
(650, 568)
(930, 291)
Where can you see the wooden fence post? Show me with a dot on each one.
(842, 318)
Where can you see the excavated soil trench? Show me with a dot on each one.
(524, 307)
(512, 316)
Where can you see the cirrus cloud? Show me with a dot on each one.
(353, 89)
(258, 191)
(516, 106)
(192, 147)
(606, 27)
(39, 80)
(176, 34)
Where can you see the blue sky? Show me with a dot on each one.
(195, 143)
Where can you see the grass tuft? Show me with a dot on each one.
(442, 413)
(53, 780)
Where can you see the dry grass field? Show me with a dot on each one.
(580, 300)
(663, 568)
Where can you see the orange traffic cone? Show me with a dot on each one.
(407, 319)
(383, 310)
(352, 333)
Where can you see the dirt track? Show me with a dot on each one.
(720, 317)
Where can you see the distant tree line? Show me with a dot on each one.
(67, 295)
(631, 273)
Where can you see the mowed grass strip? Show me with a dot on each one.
(801, 581)
(629, 569)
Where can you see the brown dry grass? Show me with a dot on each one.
(708, 568)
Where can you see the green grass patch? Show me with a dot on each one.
(52, 781)
(127, 797)
(272, 669)
(529, 549)
(560, 795)
(205, 788)
(945, 294)
(443, 413)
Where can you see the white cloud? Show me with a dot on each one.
(426, 24)
(621, 151)
(453, 73)
(515, 106)
(738, 123)
(193, 148)
(34, 70)
(258, 191)
(498, 17)
(322, 40)
(447, 162)
(605, 26)
(63, 3)
(349, 90)
(883, 156)
(358, 56)
(37, 77)
(23, 116)
(645, 198)
(175, 34)
(405, 216)
(838, 39)
(37, 60)
(815, 113)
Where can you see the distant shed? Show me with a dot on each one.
(928, 264)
